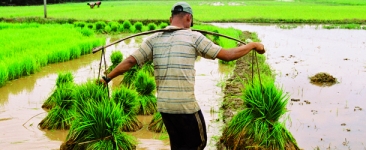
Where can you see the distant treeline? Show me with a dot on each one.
(35, 2)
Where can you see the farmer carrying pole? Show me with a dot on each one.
(173, 55)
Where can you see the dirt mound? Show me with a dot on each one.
(323, 78)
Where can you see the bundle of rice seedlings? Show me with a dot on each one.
(62, 79)
(145, 86)
(127, 99)
(90, 90)
(157, 124)
(97, 125)
(129, 76)
(148, 67)
(323, 78)
(116, 58)
(257, 126)
(59, 117)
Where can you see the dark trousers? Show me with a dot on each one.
(186, 131)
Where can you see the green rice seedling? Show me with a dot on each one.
(162, 25)
(63, 82)
(157, 124)
(100, 25)
(87, 32)
(3, 74)
(116, 58)
(59, 117)
(144, 83)
(257, 125)
(80, 24)
(129, 77)
(145, 86)
(350, 26)
(64, 77)
(97, 125)
(126, 25)
(138, 26)
(107, 29)
(127, 99)
(114, 26)
(90, 25)
(147, 104)
(90, 90)
(148, 67)
(152, 26)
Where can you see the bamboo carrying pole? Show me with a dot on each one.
(163, 30)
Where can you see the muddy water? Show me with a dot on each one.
(333, 119)
(21, 100)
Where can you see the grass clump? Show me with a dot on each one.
(145, 86)
(90, 90)
(127, 99)
(162, 25)
(97, 125)
(152, 26)
(100, 26)
(59, 117)
(126, 25)
(129, 77)
(64, 79)
(323, 78)
(257, 125)
(157, 124)
(138, 26)
(116, 58)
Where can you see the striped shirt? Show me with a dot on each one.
(173, 55)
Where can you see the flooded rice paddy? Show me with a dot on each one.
(325, 117)
(21, 101)
(319, 117)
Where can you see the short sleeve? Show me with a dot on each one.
(144, 52)
(206, 48)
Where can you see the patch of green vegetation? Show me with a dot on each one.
(26, 47)
(323, 78)
(287, 26)
(304, 11)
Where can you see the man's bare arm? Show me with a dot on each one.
(237, 52)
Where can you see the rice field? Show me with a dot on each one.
(26, 47)
(305, 11)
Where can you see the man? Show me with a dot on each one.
(173, 55)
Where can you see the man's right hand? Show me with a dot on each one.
(259, 47)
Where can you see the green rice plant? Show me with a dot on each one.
(64, 77)
(157, 124)
(114, 26)
(87, 32)
(116, 58)
(97, 125)
(138, 26)
(59, 117)
(3, 74)
(127, 99)
(162, 25)
(147, 104)
(33, 46)
(144, 83)
(90, 90)
(152, 26)
(80, 24)
(126, 25)
(148, 67)
(350, 26)
(100, 25)
(107, 29)
(90, 25)
(257, 125)
(129, 77)
(64, 82)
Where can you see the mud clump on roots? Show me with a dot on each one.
(323, 78)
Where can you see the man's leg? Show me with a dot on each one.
(186, 131)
